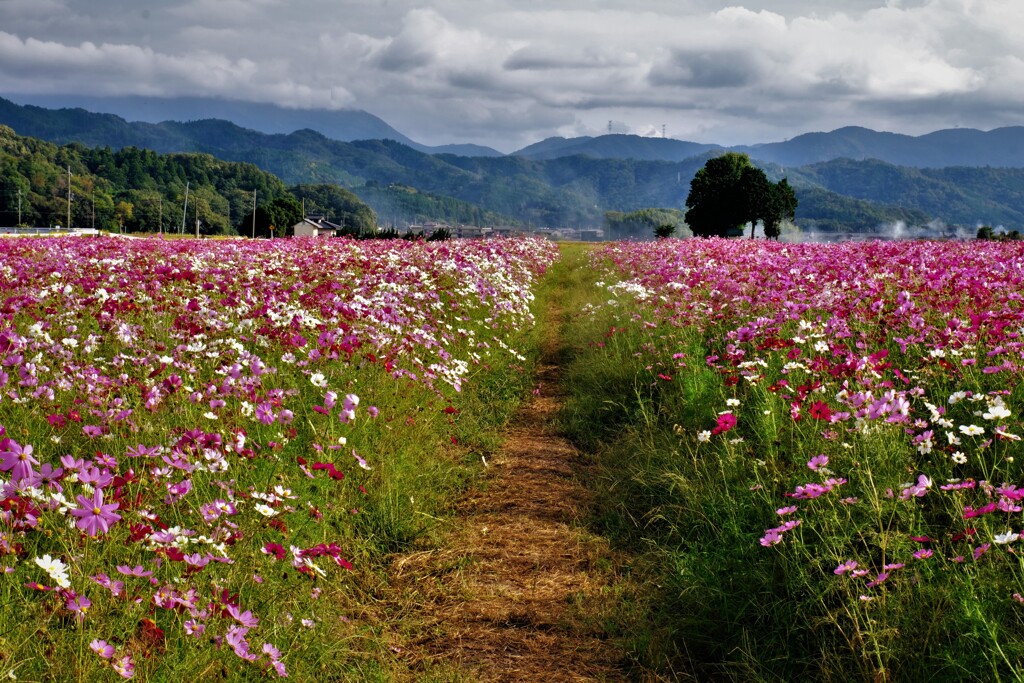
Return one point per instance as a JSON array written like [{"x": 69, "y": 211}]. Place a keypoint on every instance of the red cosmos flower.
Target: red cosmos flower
[
  {"x": 275, "y": 549},
  {"x": 819, "y": 410},
  {"x": 726, "y": 421}
]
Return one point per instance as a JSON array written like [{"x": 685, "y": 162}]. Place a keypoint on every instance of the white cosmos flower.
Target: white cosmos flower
[
  {"x": 318, "y": 379},
  {"x": 1008, "y": 537},
  {"x": 265, "y": 510},
  {"x": 971, "y": 430},
  {"x": 57, "y": 570},
  {"x": 997, "y": 412}
]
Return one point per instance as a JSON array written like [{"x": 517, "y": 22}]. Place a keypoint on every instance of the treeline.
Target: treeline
[
  {"x": 641, "y": 225},
  {"x": 830, "y": 212},
  {"x": 136, "y": 190},
  {"x": 957, "y": 195},
  {"x": 401, "y": 205}
]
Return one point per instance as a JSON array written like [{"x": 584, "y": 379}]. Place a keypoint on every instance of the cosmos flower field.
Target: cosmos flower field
[
  {"x": 200, "y": 442},
  {"x": 824, "y": 442}
]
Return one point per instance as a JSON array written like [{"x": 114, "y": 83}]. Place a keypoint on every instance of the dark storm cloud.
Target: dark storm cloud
[{"x": 707, "y": 69}]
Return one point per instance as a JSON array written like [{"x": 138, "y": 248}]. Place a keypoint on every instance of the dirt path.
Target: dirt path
[{"x": 511, "y": 596}]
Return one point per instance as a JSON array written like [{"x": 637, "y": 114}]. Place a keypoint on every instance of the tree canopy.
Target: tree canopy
[{"x": 730, "y": 192}]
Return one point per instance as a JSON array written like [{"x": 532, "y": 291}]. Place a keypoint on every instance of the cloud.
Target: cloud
[
  {"x": 502, "y": 72},
  {"x": 707, "y": 69},
  {"x": 111, "y": 69}
]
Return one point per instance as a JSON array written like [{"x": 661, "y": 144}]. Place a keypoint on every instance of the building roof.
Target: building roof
[{"x": 319, "y": 222}]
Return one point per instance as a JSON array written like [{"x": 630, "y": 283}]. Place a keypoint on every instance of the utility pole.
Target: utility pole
[
  {"x": 197, "y": 220},
  {"x": 94, "y": 212},
  {"x": 254, "y": 214},
  {"x": 160, "y": 228},
  {"x": 184, "y": 211},
  {"x": 19, "y": 206},
  {"x": 68, "y": 226}
]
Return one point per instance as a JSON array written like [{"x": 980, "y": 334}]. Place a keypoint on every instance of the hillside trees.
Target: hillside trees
[{"x": 138, "y": 190}]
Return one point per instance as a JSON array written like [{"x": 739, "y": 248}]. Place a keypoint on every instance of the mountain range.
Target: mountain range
[
  {"x": 343, "y": 124},
  {"x": 1002, "y": 147},
  {"x": 850, "y": 179}
]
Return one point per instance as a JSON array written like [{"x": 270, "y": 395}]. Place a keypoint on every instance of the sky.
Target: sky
[{"x": 506, "y": 73}]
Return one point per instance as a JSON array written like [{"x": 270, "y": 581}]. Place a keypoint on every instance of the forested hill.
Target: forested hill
[
  {"x": 564, "y": 191},
  {"x": 141, "y": 190}
]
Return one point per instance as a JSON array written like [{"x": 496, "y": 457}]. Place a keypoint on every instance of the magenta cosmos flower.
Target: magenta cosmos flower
[{"x": 94, "y": 517}]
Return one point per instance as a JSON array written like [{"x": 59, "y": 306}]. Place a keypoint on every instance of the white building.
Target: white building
[{"x": 315, "y": 226}]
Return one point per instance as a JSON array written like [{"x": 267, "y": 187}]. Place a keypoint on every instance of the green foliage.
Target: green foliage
[
  {"x": 664, "y": 231},
  {"x": 641, "y": 224}
]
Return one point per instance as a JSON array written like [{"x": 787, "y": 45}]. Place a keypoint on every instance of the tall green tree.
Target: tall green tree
[
  {"x": 755, "y": 195},
  {"x": 729, "y": 192},
  {"x": 716, "y": 204},
  {"x": 781, "y": 206}
]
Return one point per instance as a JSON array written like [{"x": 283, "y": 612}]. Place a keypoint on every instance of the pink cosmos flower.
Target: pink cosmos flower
[
  {"x": 102, "y": 648},
  {"x": 124, "y": 666},
  {"x": 265, "y": 413},
  {"x": 235, "y": 638},
  {"x": 17, "y": 459},
  {"x": 94, "y": 517},
  {"x": 817, "y": 462},
  {"x": 77, "y": 605},
  {"x": 245, "y": 618},
  {"x": 194, "y": 628},
  {"x": 196, "y": 560},
  {"x": 137, "y": 570},
  {"x": 847, "y": 566}
]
